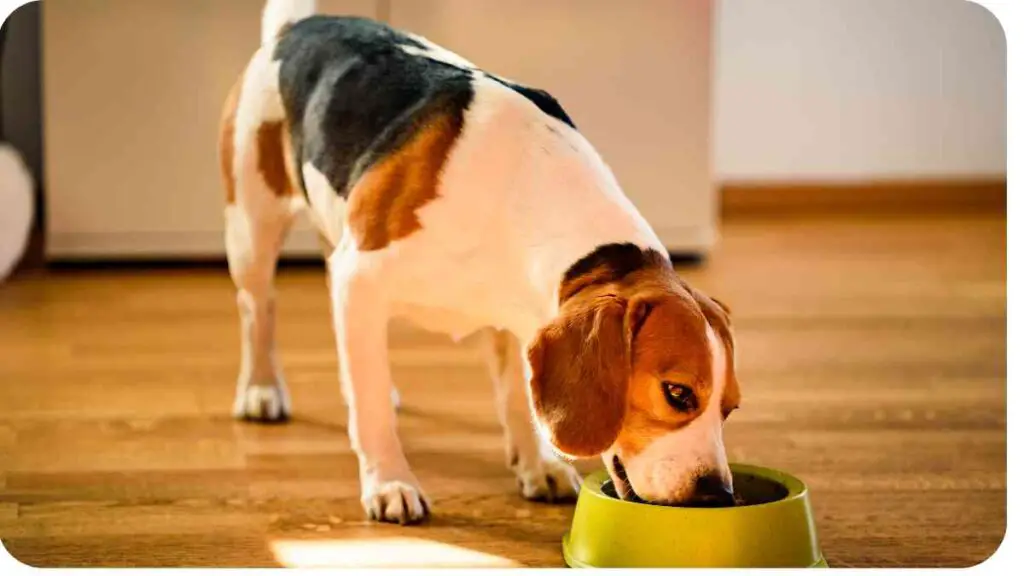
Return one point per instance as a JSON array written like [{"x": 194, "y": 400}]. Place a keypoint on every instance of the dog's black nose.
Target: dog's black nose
[{"x": 712, "y": 492}]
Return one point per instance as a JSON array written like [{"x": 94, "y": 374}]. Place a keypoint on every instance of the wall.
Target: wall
[
  {"x": 803, "y": 90},
  {"x": 20, "y": 88},
  {"x": 858, "y": 89},
  {"x": 133, "y": 168},
  {"x": 634, "y": 76}
]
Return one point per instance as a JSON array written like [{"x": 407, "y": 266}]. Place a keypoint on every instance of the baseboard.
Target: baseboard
[
  {"x": 688, "y": 245},
  {"x": 912, "y": 196},
  {"x": 89, "y": 248}
]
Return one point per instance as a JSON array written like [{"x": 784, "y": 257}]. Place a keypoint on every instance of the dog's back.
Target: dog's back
[
  {"x": 393, "y": 142},
  {"x": 466, "y": 203},
  {"x": 330, "y": 100},
  {"x": 356, "y": 91}
]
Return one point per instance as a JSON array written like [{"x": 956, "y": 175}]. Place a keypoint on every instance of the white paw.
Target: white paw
[
  {"x": 395, "y": 501},
  {"x": 396, "y": 399},
  {"x": 549, "y": 481},
  {"x": 262, "y": 403}
]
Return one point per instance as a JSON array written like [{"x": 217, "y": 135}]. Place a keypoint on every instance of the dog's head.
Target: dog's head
[{"x": 638, "y": 368}]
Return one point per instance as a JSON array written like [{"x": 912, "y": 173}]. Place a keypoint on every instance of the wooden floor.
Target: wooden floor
[{"x": 873, "y": 365}]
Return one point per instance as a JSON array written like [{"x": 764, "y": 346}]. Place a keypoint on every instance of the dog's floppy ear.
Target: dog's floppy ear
[
  {"x": 725, "y": 308},
  {"x": 580, "y": 373}
]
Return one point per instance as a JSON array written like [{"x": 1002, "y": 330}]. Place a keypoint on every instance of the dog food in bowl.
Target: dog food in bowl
[{"x": 750, "y": 489}]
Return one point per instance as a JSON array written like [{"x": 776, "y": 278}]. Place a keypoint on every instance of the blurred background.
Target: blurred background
[
  {"x": 834, "y": 170},
  {"x": 698, "y": 106}
]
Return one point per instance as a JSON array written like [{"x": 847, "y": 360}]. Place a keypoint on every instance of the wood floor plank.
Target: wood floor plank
[{"x": 872, "y": 356}]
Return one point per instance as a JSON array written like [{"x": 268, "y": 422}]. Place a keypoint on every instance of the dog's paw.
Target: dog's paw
[
  {"x": 549, "y": 481},
  {"x": 396, "y": 502},
  {"x": 262, "y": 403}
]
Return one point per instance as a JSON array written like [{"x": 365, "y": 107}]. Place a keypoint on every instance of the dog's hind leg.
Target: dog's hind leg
[
  {"x": 540, "y": 473},
  {"x": 260, "y": 209}
]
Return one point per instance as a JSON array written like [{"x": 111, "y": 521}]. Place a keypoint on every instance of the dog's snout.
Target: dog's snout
[{"x": 712, "y": 491}]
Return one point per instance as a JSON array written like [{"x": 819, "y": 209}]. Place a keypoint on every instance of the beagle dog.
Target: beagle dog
[{"x": 470, "y": 205}]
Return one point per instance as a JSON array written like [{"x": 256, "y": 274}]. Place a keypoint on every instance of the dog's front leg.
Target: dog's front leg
[
  {"x": 541, "y": 474},
  {"x": 390, "y": 491}
]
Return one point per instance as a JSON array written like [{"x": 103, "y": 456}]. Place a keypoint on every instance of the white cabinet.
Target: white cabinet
[{"x": 134, "y": 88}]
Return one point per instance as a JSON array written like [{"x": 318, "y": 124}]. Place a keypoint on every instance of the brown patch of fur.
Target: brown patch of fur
[
  {"x": 385, "y": 199},
  {"x": 580, "y": 374},
  {"x": 273, "y": 145},
  {"x": 227, "y": 140},
  {"x": 503, "y": 346},
  {"x": 671, "y": 346},
  {"x": 598, "y": 368},
  {"x": 599, "y": 275},
  {"x": 290, "y": 165},
  {"x": 611, "y": 264}
]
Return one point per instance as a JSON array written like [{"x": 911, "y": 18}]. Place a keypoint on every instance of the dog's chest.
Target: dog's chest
[{"x": 459, "y": 296}]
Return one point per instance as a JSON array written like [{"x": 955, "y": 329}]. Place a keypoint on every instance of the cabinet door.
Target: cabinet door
[
  {"x": 634, "y": 76},
  {"x": 133, "y": 95}
]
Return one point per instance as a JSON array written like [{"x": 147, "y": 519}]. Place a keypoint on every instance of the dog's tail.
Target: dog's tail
[{"x": 279, "y": 13}]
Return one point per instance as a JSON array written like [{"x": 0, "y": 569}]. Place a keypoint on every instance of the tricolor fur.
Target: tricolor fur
[{"x": 471, "y": 205}]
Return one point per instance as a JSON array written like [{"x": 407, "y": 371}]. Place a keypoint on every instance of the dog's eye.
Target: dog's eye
[{"x": 679, "y": 396}]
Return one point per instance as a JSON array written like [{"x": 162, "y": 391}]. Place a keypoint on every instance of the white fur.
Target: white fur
[
  {"x": 255, "y": 227},
  {"x": 259, "y": 100},
  {"x": 435, "y": 52},
  {"x": 277, "y": 13},
  {"x": 327, "y": 207},
  {"x": 521, "y": 197},
  {"x": 360, "y": 310},
  {"x": 667, "y": 469}
]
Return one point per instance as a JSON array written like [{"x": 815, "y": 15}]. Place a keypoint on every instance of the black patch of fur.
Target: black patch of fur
[
  {"x": 352, "y": 95},
  {"x": 541, "y": 99},
  {"x": 619, "y": 259}
]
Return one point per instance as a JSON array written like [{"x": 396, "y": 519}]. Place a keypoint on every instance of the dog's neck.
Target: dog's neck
[
  {"x": 556, "y": 202},
  {"x": 593, "y": 234},
  {"x": 591, "y": 229}
]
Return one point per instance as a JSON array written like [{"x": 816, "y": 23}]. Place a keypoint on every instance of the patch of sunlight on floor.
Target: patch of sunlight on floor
[{"x": 381, "y": 553}]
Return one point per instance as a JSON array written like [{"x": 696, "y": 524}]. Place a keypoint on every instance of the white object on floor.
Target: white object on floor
[{"x": 16, "y": 209}]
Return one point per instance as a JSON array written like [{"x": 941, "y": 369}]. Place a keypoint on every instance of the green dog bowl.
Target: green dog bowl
[{"x": 773, "y": 527}]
